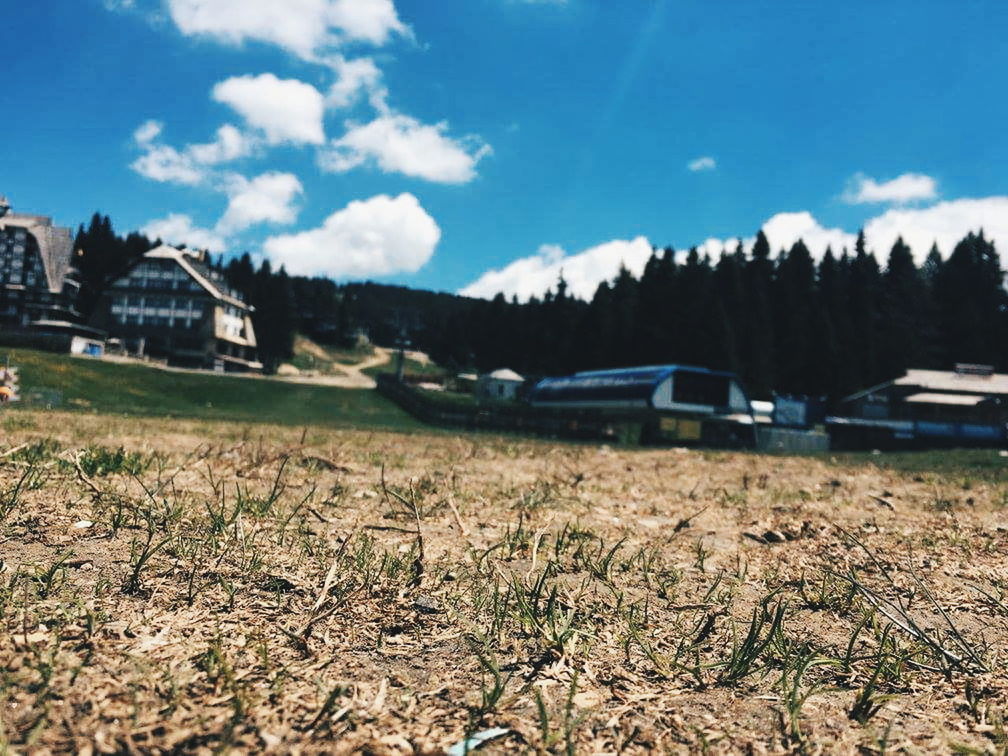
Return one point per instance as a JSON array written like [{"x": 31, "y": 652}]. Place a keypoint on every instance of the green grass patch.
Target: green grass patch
[
  {"x": 412, "y": 367},
  {"x": 99, "y": 460},
  {"x": 961, "y": 464},
  {"x": 84, "y": 384}
]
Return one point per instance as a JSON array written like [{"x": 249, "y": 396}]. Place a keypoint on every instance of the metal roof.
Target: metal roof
[
  {"x": 960, "y": 400},
  {"x": 940, "y": 380},
  {"x": 623, "y": 384},
  {"x": 944, "y": 381}
]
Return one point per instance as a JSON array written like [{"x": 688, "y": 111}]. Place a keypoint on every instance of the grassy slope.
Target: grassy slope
[
  {"x": 412, "y": 367},
  {"x": 87, "y": 384}
]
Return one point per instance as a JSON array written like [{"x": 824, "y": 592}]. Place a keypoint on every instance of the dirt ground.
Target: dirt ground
[{"x": 209, "y": 588}]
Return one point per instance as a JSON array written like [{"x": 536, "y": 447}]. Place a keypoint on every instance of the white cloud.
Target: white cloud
[
  {"x": 354, "y": 77},
  {"x": 286, "y": 110},
  {"x": 705, "y": 163},
  {"x": 909, "y": 187},
  {"x": 177, "y": 228},
  {"x": 161, "y": 162},
  {"x": 583, "y": 271},
  {"x": 378, "y": 236},
  {"x": 784, "y": 229},
  {"x": 401, "y": 144},
  {"x": 147, "y": 132},
  {"x": 302, "y": 27},
  {"x": 945, "y": 223},
  {"x": 166, "y": 164},
  {"x": 229, "y": 145},
  {"x": 371, "y": 21},
  {"x": 268, "y": 198}
]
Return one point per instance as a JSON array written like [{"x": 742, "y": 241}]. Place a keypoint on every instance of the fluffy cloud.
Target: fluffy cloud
[
  {"x": 378, "y": 236},
  {"x": 371, "y": 21},
  {"x": 705, "y": 163},
  {"x": 400, "y": 144},
  {"x": 268, "y": 198},
  {"x": 784, "y": 229},
  {"x": 166, "y": 164},
  {"x": 147, "y": 132},
  {"x": 583, "y": 271},
  {"x": 229, "y": 145},
  {"x": 910, "y": 187},
  {"x": 302, "y": 27},
  {"x": 163, "y": 163},
  {"x": 944, "y": 223},
  {"x": 354, "y": 77},
  {"x": 179, "y": 229},
  {"x": 286, "y": 110}
]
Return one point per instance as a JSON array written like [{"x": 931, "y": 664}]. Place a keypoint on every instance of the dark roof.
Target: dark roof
[{"x": 617, "y": 384}]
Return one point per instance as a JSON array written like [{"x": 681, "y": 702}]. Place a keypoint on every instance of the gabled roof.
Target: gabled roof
[
  {"x": 946, "y": 381},
  {"x": 199, "y": 272}
]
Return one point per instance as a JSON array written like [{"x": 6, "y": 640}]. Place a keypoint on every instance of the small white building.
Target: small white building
[{"x": 501, "y": 385}]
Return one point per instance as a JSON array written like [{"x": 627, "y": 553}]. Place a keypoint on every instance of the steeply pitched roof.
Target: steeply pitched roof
[
  {"x": 199, "y": 271},
  {"x": 54, "y": 242}
]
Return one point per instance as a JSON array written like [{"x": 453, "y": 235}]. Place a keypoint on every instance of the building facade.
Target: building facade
[
  {"x": 37, "y": 281},
  {"x": 964, "y": 406},
  {"x": 501, "y": 385},
  {"x": 174, "y": 306}
]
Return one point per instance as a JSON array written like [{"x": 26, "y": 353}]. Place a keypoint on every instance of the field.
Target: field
[{"x": 200, "y": 586}]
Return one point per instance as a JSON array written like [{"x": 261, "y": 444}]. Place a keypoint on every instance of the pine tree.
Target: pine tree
[
  {"x": 652, "y": 342},
  {"x": 865, "y": 288},
  {"x": 758, "y": 332},
  {"x": 971, "y": 302},
  {"x": 101, "y": 258},
  {"x": 905, "y": 324},
  {"x": 794, "y": 315}
]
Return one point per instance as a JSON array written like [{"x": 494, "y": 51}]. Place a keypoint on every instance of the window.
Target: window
[{"x": 689, "y": 387}]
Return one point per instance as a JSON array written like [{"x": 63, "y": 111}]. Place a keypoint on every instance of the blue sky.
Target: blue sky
[{"x": 479, "y": 145}]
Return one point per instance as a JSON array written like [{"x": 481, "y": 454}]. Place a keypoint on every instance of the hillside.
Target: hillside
[{"x": 85, "y": 384}]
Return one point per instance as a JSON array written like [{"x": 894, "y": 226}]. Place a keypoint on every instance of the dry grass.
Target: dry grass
[{"x": 216, "y": 588}]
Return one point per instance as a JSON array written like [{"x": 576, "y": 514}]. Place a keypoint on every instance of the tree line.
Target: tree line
[{"x": 784, "y": 322}]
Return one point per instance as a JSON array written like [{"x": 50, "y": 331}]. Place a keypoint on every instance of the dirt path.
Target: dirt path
[{"x": 352, "y": 375}]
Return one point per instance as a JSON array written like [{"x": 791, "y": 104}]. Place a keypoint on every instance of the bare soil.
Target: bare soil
[{"x": 242, "y": 588}]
